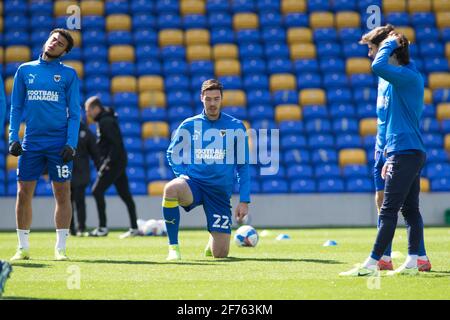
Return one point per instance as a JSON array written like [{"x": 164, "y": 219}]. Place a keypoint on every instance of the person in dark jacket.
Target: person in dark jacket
[
  {"x": 86, "y": 148},
  {"x": 113, "y": 157}
]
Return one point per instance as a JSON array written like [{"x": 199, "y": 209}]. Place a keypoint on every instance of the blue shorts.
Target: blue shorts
[
  {"x": 217, "y": 206},
  {"x": 378, "y": 166},
  {"x": 33, "y": 163}
]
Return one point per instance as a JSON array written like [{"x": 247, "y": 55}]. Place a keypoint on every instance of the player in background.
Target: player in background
[
  {"x": 47, "y": 93},
  {"x": 2, "y": 105},
  {"x": 5, "y": 270},
  {"x": 402, "y": 100},
  {"x": 209, "y": 183},
  {"x": 113, "y": 158}
]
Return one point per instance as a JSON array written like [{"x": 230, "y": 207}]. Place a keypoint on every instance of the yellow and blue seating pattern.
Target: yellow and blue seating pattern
[{"x": 293, "y": 65}]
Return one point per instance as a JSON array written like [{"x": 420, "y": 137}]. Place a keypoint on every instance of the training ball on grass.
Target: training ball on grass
[
  {"x": 151, "y": 228},
  {"x": 246, "y": 236}
]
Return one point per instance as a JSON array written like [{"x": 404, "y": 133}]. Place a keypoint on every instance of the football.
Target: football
[{"x": 246, "y": 236}]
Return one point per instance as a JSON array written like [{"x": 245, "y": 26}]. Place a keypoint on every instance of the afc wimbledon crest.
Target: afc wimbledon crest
[
  {"x": 222, "y": 133},
  {"x": 57, "y": 77}
]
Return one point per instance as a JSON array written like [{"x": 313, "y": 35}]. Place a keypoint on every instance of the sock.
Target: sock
[
  {"x": 23, "y": 236},
  {"x": 425, "y": 258},
  {"x": 411, "y": 261},
  {"x": 422, "y": 251},
  {"x": 171, "y": 214},
  {"x": 370, "y": 263},
  {"x": 61, "y": 236},
  {"x": 386, "y": 258}
]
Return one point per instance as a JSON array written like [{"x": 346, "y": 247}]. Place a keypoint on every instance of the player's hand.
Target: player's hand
[
  {"x": 15, "y": 149},
  {"x": 241, "y": 212},
  {"x": 383, "y": 171},
  {"x": 67, "y": 153}
]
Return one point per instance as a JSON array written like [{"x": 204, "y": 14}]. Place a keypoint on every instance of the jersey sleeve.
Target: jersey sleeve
[
  {"x": 17, "y": 105},
  {"x": 73, "y": 104},
  {"x": 243, "y": 167}
]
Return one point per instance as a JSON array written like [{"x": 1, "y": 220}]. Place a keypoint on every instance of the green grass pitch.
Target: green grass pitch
[{"x": 299, "y": 268}]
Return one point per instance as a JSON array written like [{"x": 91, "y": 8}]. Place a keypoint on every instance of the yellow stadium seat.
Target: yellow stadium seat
[
  {"x": 282, "y": 81},
  {"x": 150, "y": 83},
  {"x": 227, "y": 67},
  {"x": 77, "y": 65},
  {"x": 303, "y": 51},
  {"x": 11, "y": 162},
  {"x": 197, "y": 36},
  {"x": 225, "y": 51},
  {"x": 2, "y": 55},
  {"x": 427, "y": 96},
  {"x": 245, "y": 21},
  {"x": 17, "y": 54},
  {"x": 235, "y": 98},
  {"x": 312, "y": 96},
  {"x": 299, "y": 35},
  {"x": 447, "y": 142},
  {"x": 192, "y": 7},
  {"x": 1, "y": 8},
  {"x": 408, "y": 32},
  {"x": 9, "y": 84},
  {"x": 443, "y": 111},
  {"x": 152, "y": 99},
  {"x": 198, "y": 52},
  {"x": 60, "y": 7},
  {"x": 1, "y": 23},
  {"x": 424, "y": 185},
  {"x": 123, "y": 84},
  {"x": 92, "y": 8},
  {"x": 76, "y": 35},
  {"x": 117, "y": 22},
  {"x": 368, "y": 127},
  {"x": 441, "y": 5},
  {"x": 394, "y": 6},
  {"x": 358, "y": 65},
  {"x": 156, "y": 188},
  {"x": 121, "y": 53},
  {"x": 348, "y": 19},
  {"x": 447, "y": 50},
  {"x": 285, "y": 112},
  {"x": 321, "y": 20},
  {"x": 443, "y": 19},
  {"x": 293, "y": 6},
  {"x": 438, "y": 80},
  {"x": 419, "y": 6},
  {"x": 170, "y": 37},
  {"x": 152, "y": 129},
  {"x": 352, "y": 156}
]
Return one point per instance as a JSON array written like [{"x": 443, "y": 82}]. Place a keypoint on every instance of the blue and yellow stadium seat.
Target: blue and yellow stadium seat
[
  {"x": 154, "y": 129},
  {"x": 288, "y": 113},
  {"x": 152, "y": 98},
  {"x": 227, "y": 67},
  {"x": 197, "y": 37},
  {"x": 198, "y": 52},
  {"x": 245, "y": 21},
  {"x": 119, "y": 53}
]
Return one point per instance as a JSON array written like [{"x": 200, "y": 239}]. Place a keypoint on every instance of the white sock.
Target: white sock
[
  {"x": 411, "y": 261},
  {"x": 61, "y": 236},
  {"x": 370, "y": 263},
  {"x": 425, "y": 258},
  {"x": 24, "y": 237},
  {"x": 386, "y": 258}
]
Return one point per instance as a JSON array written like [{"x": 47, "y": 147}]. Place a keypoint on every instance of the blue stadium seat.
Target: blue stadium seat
[
  {"x": 16, "y": 37},
  {"x": 398, "y": 18},
  {"x": 169, "y": 21},
  {"x": 138, "y": 187},
  {"x": 431, "y": 49},
  {"x": 430, "y": 125},
  {"x": 176, "y": 82},
  {"x": 156, "y": 158},
  {"x": 135, "y": 159},
  {"x": 242, "y": 6},
  {"x": 324, "y": 155},
  {"x": 141, "y": 6},
  {"x": 11, "y": 68},
  {"x": 445, "y": 126},
  {"x": 255, "y": 97},
  {"x": 321, "y": 141},
  {"x": 269, "y": 18},
  {"x": 135, "y": 173},
  {"x": 291, "y": 127},
  {"x": 314, "y": 112},
  {"x": 195, "y": 21},
  {"x": 342, "y": 110},
  {"x": 331, "y": 185},
  {"x": 306, "y": 65},
  {"x": 275, "y": 186},
  {"x": 264, "y": 124},
  {"x": 424, "y": 34},
  {"x": 300, "y": 156},
  {"x": 335, "y": 79},
  {"x": 296, "y": 20},
  {"x": 289, "y": 142},
  {"x": 327, "y": 171},
  {"x": 440, "y": 184},
  {"x": 217, "y": 6},
  {"x": 220, "y": 19},
  {"x": 201, "y": 67},
  {"x": 163, "y": 6},
  {"x": 441, "y": 95},
  {"x": 39, "y": 7},
  {"x": 413, "y": 50},
  {"x": 309, "y": 80},
  {"x": 177, "y": 113},
  {"x": 345, "y": 125},
  {"x": 104, "y": 96},
  {"x": 303, "y": 186},
  {"x": 38, "y": 37},
  {"x": 317, "y": 126},
  {"x": 344, "y": 141},
  {"x": 15, "y": 22},
  {"x": 222, "y": 35},
  {"x": 74, "y": 54},
  {"x": 251, "y": 50},
  {"x": 268, "y": 5},
  {"x": 271, "y": 173},
  {"x": 175, "y": 67},
  {"x": 363, "y": 4},
  {"x": 156, "y": 144},
  {"x": 423, "y": 19},
  {"x": 366, "y": 110},
  {"x": 438, "y": 170},
  {"x": 143, "y": 20},
  {"x": 339, "y": 95},
  {"x": 153, "y": 114},
  {"x": 328, "y": 49},
  {"x": 147, "y": 51},
  {"x": 432, "y": 140},
  {"x": 353, "y": 49},
  {"x": 130, "y": 129},
  {"x": 161, "y": 173},
  {"x": 368, "y": 94},
  {"x": 42, "y": 21},
  {"x": 445, "y": 34},
  {"x": 344, "y": 5},
  {"x": 332, "y": 65},
  {"x": 92, "y": 53},
  {"x": 355, "y": 171},
  {"x": 318, "y": 5},
  {"x": 362, "y": 80},
  {"x": 92, "y": 22},
  {"x": 148, "y": 67},
  {"x": 237, "y": 112},
  {"x": 132, "y": 144},
  {"x": 175, "y": 125},
  {"x": 279, "y": 65},
  {"x": 231, "y": 82},
  {"x": 179, "y": 97},
  {"x": 285, "y": 97},
  {"x": 261, "y": 111},
  {"x": 436, "y": 65},
  {"x": 437, "y": 155},
  {"x": 119, "y": 37},
  {"x": 323, "y": 35},
  {"x": 125, "y": 99},
  {"x": 116, "y": 7},
  {"x": 43, "y": 189},
  {"x": 250, "y": 66},
  {"x": 299, "y": 171},
  {"x": 276, "y": 50},
  {"x": 359, "y": 185},
  {"x": 256, "y": 81},
  {"x": 368, "y": 142},
  {"x": 94, "y": 37},
  {"x": 197, "y": 80},
  {"x": 247, "y": 35},
  {"x": 350, "y": 34},
  {"x": 273, "y": 35},
  {"x": 145, "y": 36},
  {"x": 174, "y": 52},
  {"x": 128, "y": 114}
]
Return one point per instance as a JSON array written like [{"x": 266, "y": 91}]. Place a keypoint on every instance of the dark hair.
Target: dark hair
[
  {"x": 377, "y": 35},
  {"x": 93, "y": 101},
  {"x": 66, "y": 34},
  {"x": 212, "y": 84}
]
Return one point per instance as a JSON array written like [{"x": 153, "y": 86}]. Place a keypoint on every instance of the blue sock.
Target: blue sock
[
  {"x": 388, "y": 250},
  {"x": 171, "y": 213},
  {"x": 422, "y": 251}
]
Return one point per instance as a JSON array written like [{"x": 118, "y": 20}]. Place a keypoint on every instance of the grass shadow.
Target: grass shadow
[
  {"x": 437, "y": 274},
  {"x": 25, "y": 298},
  {"x": 29, "y": 265},
  {"x": 140, "y": 262},
  {"x": 235, "y": 259}
]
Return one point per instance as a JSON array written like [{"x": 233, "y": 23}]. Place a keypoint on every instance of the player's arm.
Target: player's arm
[
  {"x": 2, "y": 104},
  {"x": 243, "y": 175},
  {"x": 73, "y": 103},
  {"x": 397, "y": 75},
  {"x": 111, "y": 133},
  {"x": 17, "y": 106},
  {"x": 175, "y": 160}
]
